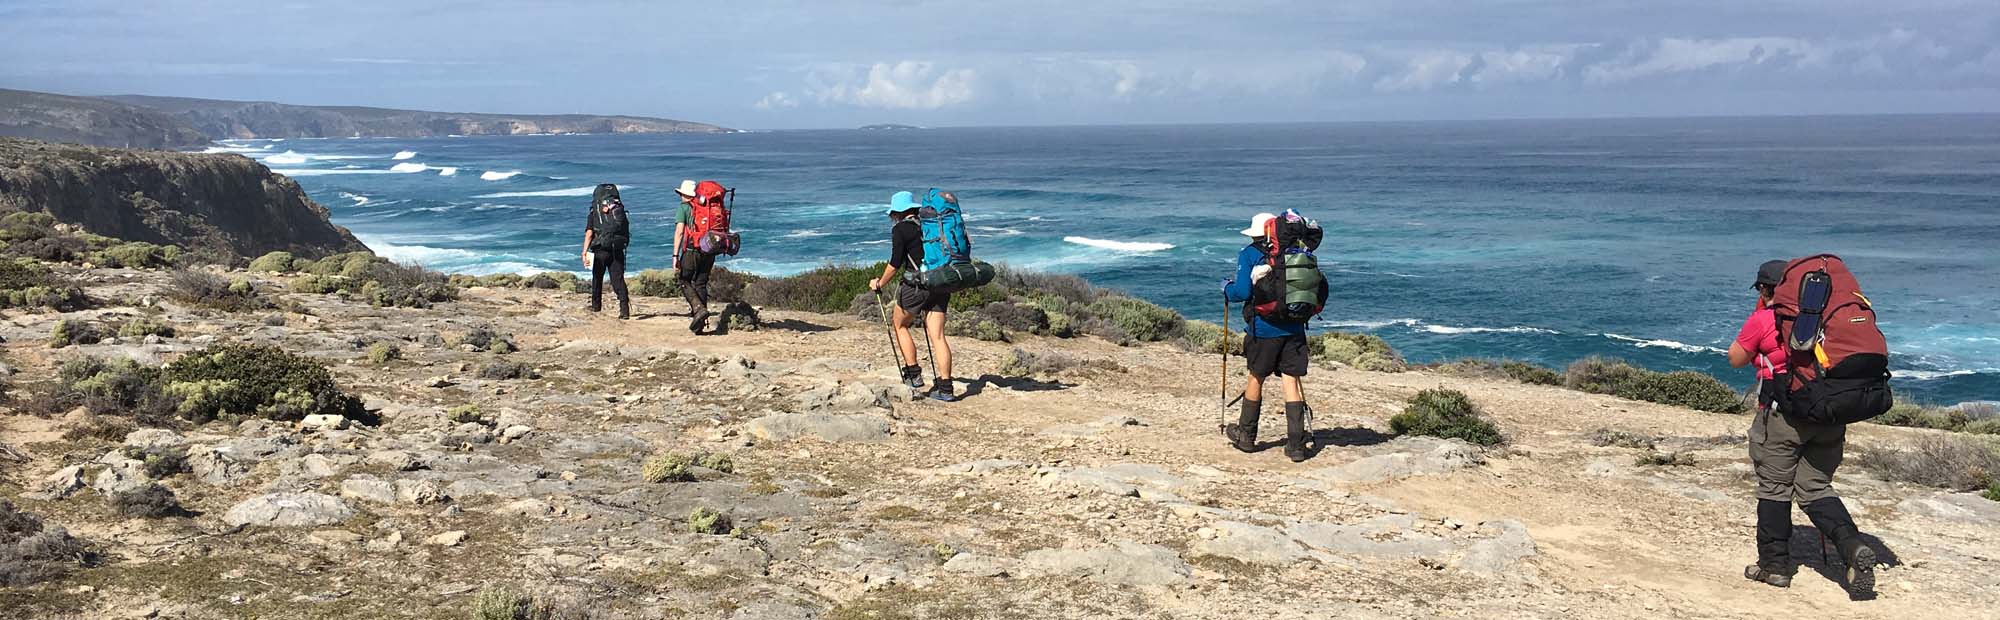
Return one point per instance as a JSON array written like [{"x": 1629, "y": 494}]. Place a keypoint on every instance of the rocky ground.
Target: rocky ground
[{"x": 1102, "y": 490}]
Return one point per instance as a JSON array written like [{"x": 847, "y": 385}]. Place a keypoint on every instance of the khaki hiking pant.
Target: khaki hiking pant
[{"x": 1794, "y": 459}]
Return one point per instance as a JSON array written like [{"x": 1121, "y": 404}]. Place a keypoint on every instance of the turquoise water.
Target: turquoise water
[{"x": 1539, "y": 240}]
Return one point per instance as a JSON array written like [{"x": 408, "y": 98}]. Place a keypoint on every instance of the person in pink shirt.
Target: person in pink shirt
[{"x": 1794, "y": 459}]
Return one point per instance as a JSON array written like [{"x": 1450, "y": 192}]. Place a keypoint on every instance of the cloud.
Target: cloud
[
  {"x": 905, "y": 85},
  {"x": 776, "y": 100}
]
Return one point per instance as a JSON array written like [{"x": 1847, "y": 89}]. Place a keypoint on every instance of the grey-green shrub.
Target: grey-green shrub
[
  {"x": 383, "y": 353},
  {"x": 667, "y": 467},
  {"x": 1138, "y": 319},
  {"x": 1955, "y": 462},
  {"x": 1445, "y": 413},
  {"x": 143, "y": 327},
  {"x": 1362, "y": 351},
  {"x": 705, "y": 520},
  {"x": 274, "y": 262},
  {"x": 73, "y": 332},
  {"x": 1685, "y": 388}
]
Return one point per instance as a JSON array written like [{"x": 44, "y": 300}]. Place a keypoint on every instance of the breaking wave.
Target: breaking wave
[
  {"x": 1123, "y": 246},
  {"x": 402, "y": 155},
  {"x": 492, "y": 175},
  {"x": 574, "y": 191}
]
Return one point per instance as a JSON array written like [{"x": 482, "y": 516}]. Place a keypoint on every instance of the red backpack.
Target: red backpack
[
  {"x": 710, "y": 232},
  {"x": 1839, "y": 360}
]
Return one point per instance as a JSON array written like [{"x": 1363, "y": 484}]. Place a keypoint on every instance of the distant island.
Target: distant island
[
  {"x": 888, "y": 127},
  {"x": 177, "y": 122}
]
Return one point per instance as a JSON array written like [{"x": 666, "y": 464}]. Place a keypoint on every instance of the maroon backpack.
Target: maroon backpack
[{"x": 1839, "y": 361}]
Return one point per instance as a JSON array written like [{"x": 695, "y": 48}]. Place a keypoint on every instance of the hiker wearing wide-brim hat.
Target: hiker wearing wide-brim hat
[
  {"x": 1794, "y": 459},
  {"x": 691, "y": 265},
  {"x": 1275, "y": 331},
  {"x": 906, "y": 251}
]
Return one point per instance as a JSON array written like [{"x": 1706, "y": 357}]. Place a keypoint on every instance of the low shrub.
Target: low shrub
[
  {"x": 1013, "y": 316},
  {"x": 1445, "y": 413},
  {"x": 667, "y": 467},
  {"x": 137, "y": 255},
  {"x": 315, "y": 284},
  {"x": 826, "y": 290},
  {"x": 1988, "y": 426},
  {"x": 25, "y": 283},
  {"x": 1992, "y": 492},
  {"x": 1522, "y": 372},
  {"x": 1140, "y": 320},
  {"x": 97, "y": 427},
  {"x": 1955, "y": 462},
  {"x": 1606, "y": 437},
  {"x": 1206, "y": 337},
  {"x": 148, "y": 502},
  {"x": 33, "y": 551},
  {"x": 485, "y": 339},
  {"x": 257, "y": 379},
  {"x": 208, "y": 290},
  {"x": 74, "y": 331},
  {"x": 389, "y": 285},
  {"x": 655, "y": 283},
  {"x": 161, "y": 461},
  {"x": 977, "y": 328},
  {"x": 717, "y": 461},
  {"x": 142, "y": 327},
  {"x": 465, "y": 414},
  {"x": 705, "y": 520},
  {"x": 501, "y": 370},
  {"x": 499, "y": 603},
  {"x": 107, "y": 386},
  {"x": 1918, "y": 416},
  {"x": 1666, "y": 459},
  {"x": 1043, "y": 365},
  {"x": 553, "y": 281},
  {"x": 1362, "y": 351},
  {"x": 1683, "y": 388},
  {"x": 1600, "y": 375},
  {"x": 383, "y": 353},
  {"x": 275, "y": 262}
]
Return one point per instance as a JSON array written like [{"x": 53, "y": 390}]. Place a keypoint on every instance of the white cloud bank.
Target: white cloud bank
[{"x": 905, "y": 85}]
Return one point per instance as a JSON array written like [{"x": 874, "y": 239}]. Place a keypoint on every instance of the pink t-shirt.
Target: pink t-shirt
[{"x": 1760, "y": 337}]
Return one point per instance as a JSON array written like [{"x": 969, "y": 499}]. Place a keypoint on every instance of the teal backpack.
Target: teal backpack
[{"x": 948, "y": 264}]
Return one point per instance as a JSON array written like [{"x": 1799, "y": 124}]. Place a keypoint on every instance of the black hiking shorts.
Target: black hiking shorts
[
  {"x": 916, "y": 300},
  {"x": 1286, "y": 356}
]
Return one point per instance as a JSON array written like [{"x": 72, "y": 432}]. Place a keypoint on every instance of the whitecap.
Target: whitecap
[
  {"x": 287, "y": 157},
  {"x": 875, "y": 242},
  {"x": 492, "y": 175},
  {"x": 1930, "y": 375},
  {"x": 314, "y": 172},
  {"x": 447, "y": 171},
  {"x": 1519, "y": 329},
  {"x": 997, "y": 231},
  {"x": 416, "y": 254},
  {"x": 402, "y": 155},
  {"x": 574, "y": 191},
  {"x": 358, "y": 199},
  {"x": 1125, "y": 246},
  {"x": 1372, "y": 325},
  {"x": 408, "y": 167},
  {"x": 1644, "y": 343}
]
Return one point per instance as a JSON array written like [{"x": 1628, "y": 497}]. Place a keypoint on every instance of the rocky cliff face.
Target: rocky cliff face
[
  {"x": 220, "y": 203},
  {"x": 84, "y": 120},
  {"x": 243, "y": 120}
]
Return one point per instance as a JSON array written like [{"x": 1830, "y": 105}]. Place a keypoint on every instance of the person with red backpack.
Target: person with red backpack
[
  {"x": 1805, "y": 399},
  {"x": 700, "y": 233},
  {"x": 1281, "y": 288}
]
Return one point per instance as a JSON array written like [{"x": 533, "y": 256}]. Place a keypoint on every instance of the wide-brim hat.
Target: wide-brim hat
[
  {"x": 686, "y": 188},
  {"x": 903, "y": 201},
  {"x": 1257, "y": 223}
]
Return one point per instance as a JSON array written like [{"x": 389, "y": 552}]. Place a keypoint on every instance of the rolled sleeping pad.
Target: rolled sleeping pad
[{"x": 958, "y": 276}]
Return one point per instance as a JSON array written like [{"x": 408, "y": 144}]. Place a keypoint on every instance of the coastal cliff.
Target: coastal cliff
[
  {"x": 96, "y": 122},
  {"x": 226, "y": 204},
  {"x": 258, "y": 119}
]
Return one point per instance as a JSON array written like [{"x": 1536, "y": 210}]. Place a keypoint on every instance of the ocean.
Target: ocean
[{"x": 1544, "y": 241}]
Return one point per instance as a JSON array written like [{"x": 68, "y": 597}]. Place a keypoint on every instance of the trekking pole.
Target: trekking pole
[
  {"x": 889, "y": 324},
  {"x": 1225, "y": 364}
]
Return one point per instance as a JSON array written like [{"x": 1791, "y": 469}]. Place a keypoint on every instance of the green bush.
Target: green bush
[
  {"x": 718, "y": 462},
  {"x": 1992, "y": 492},
  {"x": 501, "y": 370},
  {"x": 667, "y": 467},
  {"x": 1988, "y": 426},
  {"x": 553, "y": 280},
  {"x": 143, "y": 327},
  {"x": 137, "y": 255},
  {"x": 25, "y": 283},
  {"x": 1502, "y": 369},
  {"x": 1599, "y": 375},
  {"x": 74, "y": 331},
  {"x": 1206, "y": 337},
  {"x": 1530, "y": 374},
  {"x": 259, "y": 379},
  {"x": 160, "y": 461},
  {"x": 705, "y": 520},
  {"x": 1683, "y": 388},
  {"x": 1445, "y": 413},
  {"x": 982, "y": 329},
  {"x": 465, "y": 414},
  {"x": 389, "y": 285},
  {"x": 383, "y": 353},
  {"x": 1919, "y": 416},
  {"x": 1140, "y": 320},
  {"x": 826, "y": 290},
  {"x": 499, "y": 603},
  {"x": 207, "y": 290},
  {"x": 1362, "y": 351},
  {"x": 1955, "y": 462},
  {"x": 147, "y": 502},
  {"x": 275, "y": 262},
  {"x": 656, "y": 283},
  {"x": 106, "y": 386},
  {"x": 315, "y": 285}
]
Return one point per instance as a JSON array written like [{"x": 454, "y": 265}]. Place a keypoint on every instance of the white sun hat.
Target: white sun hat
[
  {"x": 1257, "y": 222},
  {"x": 686, "y": 188}
]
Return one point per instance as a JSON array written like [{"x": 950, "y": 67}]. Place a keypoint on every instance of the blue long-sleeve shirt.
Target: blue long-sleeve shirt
[{"x": 1238, "y": 291}]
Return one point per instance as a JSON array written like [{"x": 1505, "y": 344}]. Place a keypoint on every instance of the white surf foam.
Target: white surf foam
[
  {"x": 1522, "y": 329},
  {"x": 1368, "y": 325},
  {"x": 408, "y": 167},
  {"x": 314, "y": 172},
  {"x": 806, "y": 234},
  {"x": 574, "y": 191},
  {"x": 402, "y": 155},
  {"x": 492, "y": 175},
  {"x": 1645, "y": 343},
  {"x": 448, "y": 171},
  {"x": 357, "y": 198},
  {"x": 1123, "y": 246},
  {"x": 287, "y": 157}
]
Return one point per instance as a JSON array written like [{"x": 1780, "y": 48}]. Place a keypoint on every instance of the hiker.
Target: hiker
[
  {"x": 1794, "y": 458},
  {"x": 906, "y": 249},
  {"x": 606, "y": 234},
  {"x": 701, "y": 232},
  {"x": 1275, "y": 314}
]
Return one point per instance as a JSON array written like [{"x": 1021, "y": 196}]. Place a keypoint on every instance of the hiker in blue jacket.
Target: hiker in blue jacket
[{"x": 1271, "y": 346}]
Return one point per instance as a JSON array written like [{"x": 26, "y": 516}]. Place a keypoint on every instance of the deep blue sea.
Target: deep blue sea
[{"x": 1538, "y": 240}]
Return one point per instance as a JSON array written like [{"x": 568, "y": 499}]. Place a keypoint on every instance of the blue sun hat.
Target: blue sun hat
[{"x": 902, "y": 201}]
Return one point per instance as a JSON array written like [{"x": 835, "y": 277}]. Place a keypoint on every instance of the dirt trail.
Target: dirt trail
[{"x": 1103, "y": 490}]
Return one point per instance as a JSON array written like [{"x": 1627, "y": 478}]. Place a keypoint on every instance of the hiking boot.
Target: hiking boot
[
  {"x": 1754, "y": 572},
  {"x": 624, "y": 310},
  {"x": 913, "y": 376},
  {"x": 1831, "y": 517},
  {"x": 595, "y": 306},
  {"x": 942, "y": 390},
  {"x": 1860, "y": 569},
  {"x": 699, "y": 323},
  {"x": 1243, "y": 438},
  {"x": 1295, "y": 431}
]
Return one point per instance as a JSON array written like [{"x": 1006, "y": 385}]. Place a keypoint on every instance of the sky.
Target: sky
[{"x": 777, "y": 64}]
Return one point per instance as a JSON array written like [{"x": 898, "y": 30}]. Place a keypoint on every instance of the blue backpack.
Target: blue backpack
[
  {"x": 945, "y": 242},
  {"x": 948, "y": 264}
]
